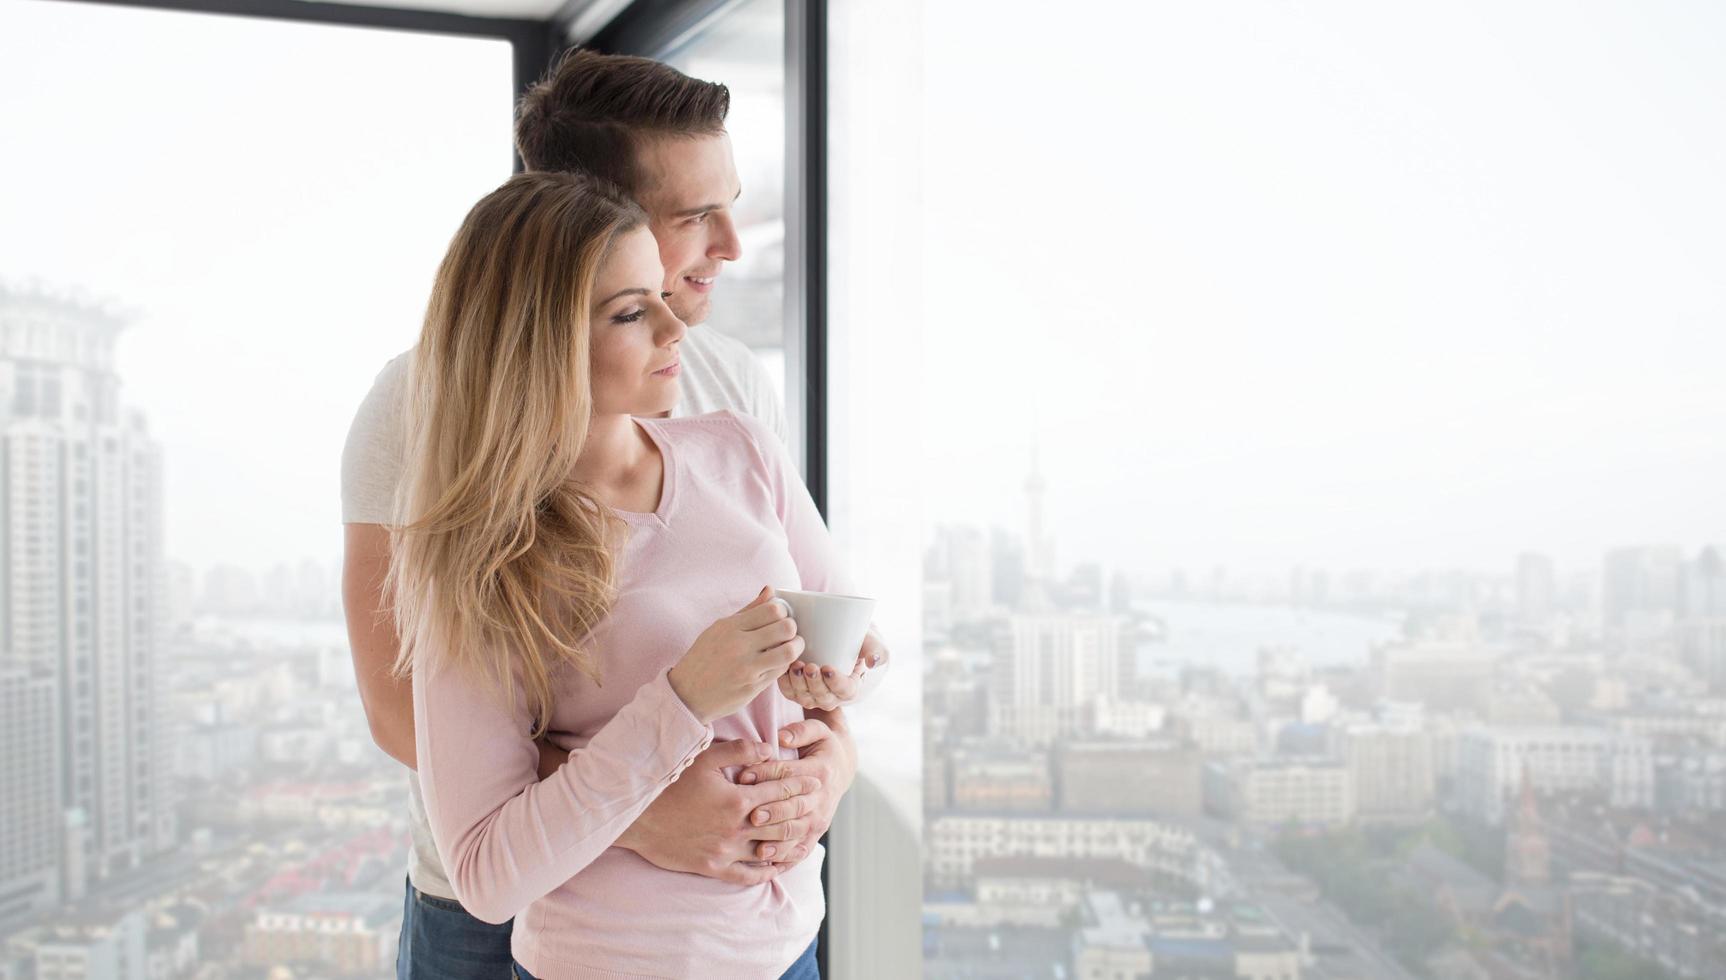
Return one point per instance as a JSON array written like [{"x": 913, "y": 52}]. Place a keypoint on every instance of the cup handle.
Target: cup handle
[{"x": 789, "y": 613}]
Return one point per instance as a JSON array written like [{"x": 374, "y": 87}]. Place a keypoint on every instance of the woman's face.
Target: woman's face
[{"x": 634, "y": 353}]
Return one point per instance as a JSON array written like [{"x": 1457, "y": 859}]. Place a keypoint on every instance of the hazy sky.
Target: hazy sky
[
  {"x": 1329, "y": 283},
  {"x": 1269, "y": 283},
  {"x": 272, "y": 201}
]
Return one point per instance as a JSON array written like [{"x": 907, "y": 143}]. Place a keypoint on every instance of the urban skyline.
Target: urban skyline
[{"x": 1432, "y": 807}]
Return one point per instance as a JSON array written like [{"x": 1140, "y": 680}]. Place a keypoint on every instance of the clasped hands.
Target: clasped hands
[{"x": 755, "y": 828}]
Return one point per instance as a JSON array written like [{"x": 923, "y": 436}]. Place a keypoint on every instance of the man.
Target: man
[{"x": 660, "y": 136}]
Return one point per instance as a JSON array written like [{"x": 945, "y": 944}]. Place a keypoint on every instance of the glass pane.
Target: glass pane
[
  {"x": 745, "y": 50},
  {"x": 216, "y": 230},
  {"x": 1317, "y": 437}
]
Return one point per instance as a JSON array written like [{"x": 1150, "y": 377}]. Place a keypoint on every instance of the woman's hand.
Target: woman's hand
[
  {"x": 824, "y": 687},
  {"x": 736, "y": 658}
]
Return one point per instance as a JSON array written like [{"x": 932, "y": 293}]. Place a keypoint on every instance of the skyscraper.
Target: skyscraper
[
  {"x": 1051, "y": 672},
  {"x": 82, "y": 583},
  {"x": 1536, "y": 590},
  {"x": 1640, "y": 591},
  {"x": 1702, "y": 612},
  {"x": 29, "y": 792}
]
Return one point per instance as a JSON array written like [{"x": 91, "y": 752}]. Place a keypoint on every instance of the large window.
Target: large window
[
  {"x": 216, "y": 230},
  {"x": 743, "y": 47},
  {"x": 1314, "y": 421}
]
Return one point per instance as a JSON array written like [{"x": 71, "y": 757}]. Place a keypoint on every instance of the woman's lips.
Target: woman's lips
[{"x": 669, "y": 371}]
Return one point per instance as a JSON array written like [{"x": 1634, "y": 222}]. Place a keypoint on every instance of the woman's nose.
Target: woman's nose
[{"x": 669, "y": 329}]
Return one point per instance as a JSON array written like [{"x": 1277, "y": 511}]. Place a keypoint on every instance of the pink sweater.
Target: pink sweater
[{"x": 734, "y": 516}]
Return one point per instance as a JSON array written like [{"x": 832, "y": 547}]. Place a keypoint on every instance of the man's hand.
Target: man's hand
[
  {"x": 826, "y": 753},
  {"x": 705, "y": 824},
  {"x": 824, "y": 687}
]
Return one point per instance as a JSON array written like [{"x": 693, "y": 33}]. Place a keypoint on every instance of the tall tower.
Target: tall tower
[
  {"x": 1039, "y": 549},
  {"x": 81, "y": 571}
]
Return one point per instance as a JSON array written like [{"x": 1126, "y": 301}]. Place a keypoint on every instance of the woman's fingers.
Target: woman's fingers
[
  {"x": 772, "y": 633},
  {"x": 818, "y": 680},
  {"x": 799, "y": 681}
]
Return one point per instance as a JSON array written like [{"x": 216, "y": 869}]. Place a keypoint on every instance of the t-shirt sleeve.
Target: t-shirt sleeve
[
  {"x": 759, "y": 392},
  {"x": 767, "y": 406},
  {"x": 818, "y": 566},
  {"x": 372, "y": 458}
]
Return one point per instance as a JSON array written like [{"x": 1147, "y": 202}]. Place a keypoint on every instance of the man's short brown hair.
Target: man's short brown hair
[{"x": 590, "y": 111}]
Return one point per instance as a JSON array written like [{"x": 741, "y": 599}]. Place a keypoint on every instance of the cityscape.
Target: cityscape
[
  {"x": 1446, "y": 775},
  {"x": 190, "y": 786},
  {"x": 1319, "y": 774}
]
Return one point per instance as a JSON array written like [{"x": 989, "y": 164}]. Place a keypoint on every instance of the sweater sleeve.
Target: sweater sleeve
[
  {"x": 505, "y": 837},
  {"x": 818, "y": 566}
]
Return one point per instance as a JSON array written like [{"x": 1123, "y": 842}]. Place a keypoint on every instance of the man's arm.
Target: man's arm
[
  {"x": 372, "y": 638},
  {"x": 388, "y": 700}
]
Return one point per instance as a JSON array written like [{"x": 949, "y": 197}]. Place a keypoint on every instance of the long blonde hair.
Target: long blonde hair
[{"x": 501, "y": 562}]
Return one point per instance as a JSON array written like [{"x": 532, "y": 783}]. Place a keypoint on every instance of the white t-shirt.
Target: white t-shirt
[{"x": 719, "y": 372}]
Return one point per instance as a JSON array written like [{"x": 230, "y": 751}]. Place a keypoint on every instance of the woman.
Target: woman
[{"x": 577, "y": 571}]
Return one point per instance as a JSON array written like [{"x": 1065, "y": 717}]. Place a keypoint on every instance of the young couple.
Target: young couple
[{"x": 565, "y": 509}]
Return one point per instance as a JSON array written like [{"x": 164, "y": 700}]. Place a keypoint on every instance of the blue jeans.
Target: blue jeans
[
  {"x": 803, "y": 969},
  {"x": 441, "y": 941}
]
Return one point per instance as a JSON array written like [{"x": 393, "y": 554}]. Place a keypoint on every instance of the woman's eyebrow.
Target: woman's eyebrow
[{"x": 637, "y": 291}]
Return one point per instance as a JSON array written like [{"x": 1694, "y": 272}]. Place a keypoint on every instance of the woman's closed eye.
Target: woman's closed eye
[{"x": 631, "y": 316}]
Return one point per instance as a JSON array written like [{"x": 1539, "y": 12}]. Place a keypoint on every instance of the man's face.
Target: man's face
[{"x": 688, "y": 186}]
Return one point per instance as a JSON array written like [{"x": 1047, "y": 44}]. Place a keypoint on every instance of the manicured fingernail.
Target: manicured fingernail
[
  {"x": 760, "y": 816},
  {"x": 747, "y": 779},
  {"x": 769, "y": 851},
  {"x": 827, "y": 671}
]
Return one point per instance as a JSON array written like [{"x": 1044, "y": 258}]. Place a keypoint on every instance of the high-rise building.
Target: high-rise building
[
  {"x": 82, "y": 585},
  {"x": 1536, "y": 591},
  {"x": 1050, "y": 674},
  {"x": 111, "y": 945},
  {"x": 1448, "y": 676},
  {"x": 1702, "y": 616},
  {"x": 29, "y": 792},
  {"x": 960, "y": 558},
  {"x": 1391, "y": 766},
  {"x": 1639, "y": 591},
  {"x": 1129, "y": 778},
  {"x": 1271, "y": 793},
  {"x": 1493, "y": 762}
]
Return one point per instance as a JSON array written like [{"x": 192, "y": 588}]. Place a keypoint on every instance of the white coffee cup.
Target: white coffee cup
[{"x": 832, "y": 626}]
